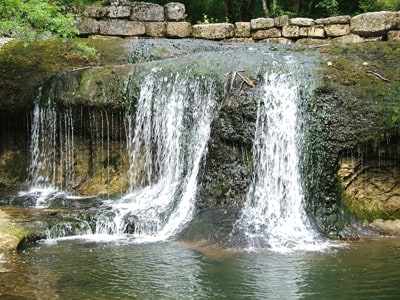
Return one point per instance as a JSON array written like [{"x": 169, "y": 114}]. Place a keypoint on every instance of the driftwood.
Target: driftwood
[
  {"x": 244, "y": 80},
  {"x": 378, "y": 75}
]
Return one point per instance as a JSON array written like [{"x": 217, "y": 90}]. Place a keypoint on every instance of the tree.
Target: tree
[{"x": 35, "y": 20}]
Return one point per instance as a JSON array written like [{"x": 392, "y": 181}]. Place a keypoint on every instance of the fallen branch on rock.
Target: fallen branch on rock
[{"x": 378, "y": 75}]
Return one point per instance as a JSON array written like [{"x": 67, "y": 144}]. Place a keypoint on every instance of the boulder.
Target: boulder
[
  {"x": 155, "y": 29},
  {"x": 291, "y": 31},
  {"x": 121, "y": 27},
  {"x": 174, "y": 11},
  {"x": 301, "y": 21},
  {"x": 335, "y": 30},
  {"x": 373, "y": 23},
  {"x": 143, "y": 11},
  {"x": 312, "y": 32},
  {"x": 281, "y": 21},
  {"x": 333, "y": 20},
  {"x": 178, "y": 29},
  {"x": 97, "y": 12},
  {"x": 87, "y": 25},
  {"x": 348, "y": 39},
  {"x": 242, "y": 29},
  {"x": 261, "y": 23},
  {"x": 119, "y": 11},
  {"x": 216, "y": 31},
  {"x": 279, "y": 40},
  {"x": 267, "y": 33},
  {"x": 393, "y": 35},
  {"x": 312, "y": 41}
]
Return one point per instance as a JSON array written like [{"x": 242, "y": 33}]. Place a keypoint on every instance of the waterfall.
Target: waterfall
[
  {"x": 166, "y": 140},
  {"x": 49, "y": 132},
  {"x": 274, "y": 214}
]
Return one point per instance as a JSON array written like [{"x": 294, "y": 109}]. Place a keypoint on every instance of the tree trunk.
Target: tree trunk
[
  {"x": 310, "y": 7},
  {"x": 229, "y": 10},
  {"x": 246, "y": 10},
  {"x": 265, "y": 8},
  {"x": 295, "y": 6}
]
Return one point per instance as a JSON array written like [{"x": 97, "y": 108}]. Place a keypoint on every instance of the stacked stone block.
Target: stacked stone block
[{"x": 126, "y": 19}]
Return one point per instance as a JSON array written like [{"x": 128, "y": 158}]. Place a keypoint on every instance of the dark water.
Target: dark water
[{"x": 369, "y": 269}]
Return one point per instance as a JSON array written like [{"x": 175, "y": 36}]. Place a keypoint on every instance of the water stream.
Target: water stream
[
  {"x": 274, "y": 214},
  {"x": 166, "y": 140}
]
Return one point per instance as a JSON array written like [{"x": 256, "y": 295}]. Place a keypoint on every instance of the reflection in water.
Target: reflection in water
[{"x": 118, "y": 270}]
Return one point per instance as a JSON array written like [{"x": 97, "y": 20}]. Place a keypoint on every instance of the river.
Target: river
[{"x": 82, "y": 269}]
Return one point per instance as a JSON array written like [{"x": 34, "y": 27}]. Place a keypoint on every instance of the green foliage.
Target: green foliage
[
  {"x": 35, "y": 20},
  {"x": 377, "y": 5},
  {"x": 330, "y": 7}
]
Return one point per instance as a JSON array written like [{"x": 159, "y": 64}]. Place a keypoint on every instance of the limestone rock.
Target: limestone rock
[
  {"x": 335, "y": 30},
  {"x": 87, "y": 25},
  {"x": 178, "y": 29},
  {"x": 393, "y": 35},
  {"x": 312, "y": 32},
  {"x": 119, "y": 11},
  {"x": 348, "y": 39},
  {"x": 333, "y": 20},
  {"x": 279, "y": 40},
  {"x": 373, "y": 23},
  {"x": 174, "y": 11},
  {"x": 312, "y": 41},
  {"x": 121, "y": 27},
  {"x": 143, "y": 11},
  {"x": 261, "y": 23},
  {"x": 301, "y": 21},
  {"x": 155, "y": 29},
  {"x": 281, "y": 21},
  {"x": 242, "y": 29},
  {"x": 291, "y": 31},
  {"x": 387, "y": 226},
  {"x": 96, "y": 12},
  {"x": 267, "y": 33},
  {"x": 216, "y": 31}
]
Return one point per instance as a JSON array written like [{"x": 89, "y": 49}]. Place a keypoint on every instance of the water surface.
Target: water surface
[{"x": 77, "y": 269}]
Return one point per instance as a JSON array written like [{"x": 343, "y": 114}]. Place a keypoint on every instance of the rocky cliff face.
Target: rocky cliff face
[{"x": 350, "y": 131}]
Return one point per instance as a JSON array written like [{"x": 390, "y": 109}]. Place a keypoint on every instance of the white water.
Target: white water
[
  {"x": 166, "y": 141},
  {"x": 274, "y": 214},
  {"x": 43, "y": 166}
]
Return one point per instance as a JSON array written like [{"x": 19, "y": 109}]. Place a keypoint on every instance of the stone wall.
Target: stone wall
[{"x": 141, "y": 19}]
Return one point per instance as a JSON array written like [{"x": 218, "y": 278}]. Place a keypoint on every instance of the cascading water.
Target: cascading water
[
  {"x": 166, "y": 141},
  {"x": 274, "y": 215},
  {"x": 43, "y": 166}
]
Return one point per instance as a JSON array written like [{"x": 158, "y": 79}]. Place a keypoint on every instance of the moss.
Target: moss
[
  {"x": 367, "y": 74},
  {"x": 24, "y": 66},
  {"x": 11, "y": 234}
]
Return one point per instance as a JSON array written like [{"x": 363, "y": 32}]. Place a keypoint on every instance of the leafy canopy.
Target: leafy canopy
[{"x": 35, "y": 20}]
